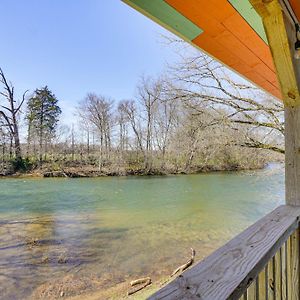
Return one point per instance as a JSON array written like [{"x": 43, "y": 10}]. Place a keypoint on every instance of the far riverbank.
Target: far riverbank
[{"x": 79, "y": 170}]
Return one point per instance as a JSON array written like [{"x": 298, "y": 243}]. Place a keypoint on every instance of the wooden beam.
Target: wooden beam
[
  {"x": 281, "y": 34},
  {"x": 278, "y": 30}
]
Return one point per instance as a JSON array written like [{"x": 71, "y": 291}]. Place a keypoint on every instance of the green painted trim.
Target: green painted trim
[
  {"x": 247, "y": 11},
  {"x": 165, "y": 15}
]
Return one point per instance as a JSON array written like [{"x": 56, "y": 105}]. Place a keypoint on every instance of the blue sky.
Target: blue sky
[{"x": 79, "y": 46}]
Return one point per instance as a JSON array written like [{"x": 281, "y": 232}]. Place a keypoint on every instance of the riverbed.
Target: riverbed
[{"x": 68, "y": 237}]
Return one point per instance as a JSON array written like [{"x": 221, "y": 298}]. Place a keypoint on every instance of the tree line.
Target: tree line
[{"x": 198, "y": 117}]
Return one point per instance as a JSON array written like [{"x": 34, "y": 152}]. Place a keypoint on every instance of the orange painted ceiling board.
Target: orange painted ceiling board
[
  {"x": 296, "y": 7},
  {"x": 249, "y": 38},
  {"x": 231, "y": 40},
  {"x": 235, "y": 46},
  {"x": 268, "y": 74},
  {"x": 209, "y": 45}
]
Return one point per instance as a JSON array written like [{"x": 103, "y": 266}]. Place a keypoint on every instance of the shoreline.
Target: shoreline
[
  {"x": 72, "y": 173},
  {"x": 88, "y": 172}
]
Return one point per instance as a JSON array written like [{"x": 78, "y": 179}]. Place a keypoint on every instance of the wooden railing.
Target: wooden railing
[{"x": 260, "y": 263}]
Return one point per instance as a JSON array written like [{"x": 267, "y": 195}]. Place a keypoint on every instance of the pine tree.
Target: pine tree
[{"x": 43, "y": 115}]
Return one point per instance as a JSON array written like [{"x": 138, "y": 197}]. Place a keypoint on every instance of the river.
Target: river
[{"x": 63, "y": 237}]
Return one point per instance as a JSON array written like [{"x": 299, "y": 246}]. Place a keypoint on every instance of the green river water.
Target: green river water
[{"x": 97, "y": 233}]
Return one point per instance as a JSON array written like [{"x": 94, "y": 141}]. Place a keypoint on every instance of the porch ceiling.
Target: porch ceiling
[{"x": 231, "y": 31}]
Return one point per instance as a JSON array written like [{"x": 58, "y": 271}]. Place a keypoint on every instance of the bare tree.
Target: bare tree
[
  {"x": 130, "y": 111},
  {"x": 165, "y": 119},
  {"x": 98, "y": 110},
  {"x": 85, "y": 125},
  {"x": 10, "y": 113},
  {"x": 149, "y": 94},
  {"x": 122, "y": 121},
  {"x": 200, "y": 80}
]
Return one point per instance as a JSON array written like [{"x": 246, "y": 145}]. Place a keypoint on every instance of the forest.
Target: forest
[{"x": 196, "y": 117}]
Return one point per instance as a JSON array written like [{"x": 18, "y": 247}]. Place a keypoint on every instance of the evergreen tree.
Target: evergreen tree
[{"x": 43, "y": 115}]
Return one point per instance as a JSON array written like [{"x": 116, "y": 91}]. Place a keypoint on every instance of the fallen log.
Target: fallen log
[
  {"x": 139, "y": 281},
  {"x": 146, "y": 281},
  {"x": 186, "y": 265}
]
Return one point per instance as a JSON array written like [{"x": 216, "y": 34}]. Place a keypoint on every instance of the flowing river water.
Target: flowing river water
[{"x": 66, "y": 237}]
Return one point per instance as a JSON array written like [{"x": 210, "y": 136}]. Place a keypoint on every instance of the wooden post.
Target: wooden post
[
  {"x": 292, "y": 154},
  {"x": 281, "y": 35}
]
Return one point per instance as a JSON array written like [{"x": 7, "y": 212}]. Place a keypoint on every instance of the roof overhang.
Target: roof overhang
[{"x": 231, "y": 31}]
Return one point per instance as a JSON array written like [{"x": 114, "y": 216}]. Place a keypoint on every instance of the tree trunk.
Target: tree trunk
[{"x": 16, "y": 139}]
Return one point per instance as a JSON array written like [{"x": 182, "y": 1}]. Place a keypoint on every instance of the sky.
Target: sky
[{"x": 79, "y": 46}]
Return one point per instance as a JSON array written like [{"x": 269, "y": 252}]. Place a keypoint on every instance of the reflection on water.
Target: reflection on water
[{"x": 90, "y": 234}]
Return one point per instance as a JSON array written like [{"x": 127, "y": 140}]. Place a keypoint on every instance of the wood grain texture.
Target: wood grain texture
[
  {"x": 252, "y": 291},
  {"x": 277, "y": 275},
  {"x": 228, "y": 272},
  {"x": 271, "y": 280},
  {"x": 292, "y": 155},
  {"x": 288, "y": 269},
  {"x": 283, "y": 273},
  {"x": 261, "y": 280},
  {"x": 294, "y": 265}
]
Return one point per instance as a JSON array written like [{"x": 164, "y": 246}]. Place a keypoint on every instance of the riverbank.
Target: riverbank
[
  {"x": 134, "y": 164},
  {"x": 94, "y": 173},
  {"x": 89, "y": 171}
]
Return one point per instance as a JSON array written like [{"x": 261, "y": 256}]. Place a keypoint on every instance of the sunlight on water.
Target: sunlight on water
[{"x": 95, "y": 233}]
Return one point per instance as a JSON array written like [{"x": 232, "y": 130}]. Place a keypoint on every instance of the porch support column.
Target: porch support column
[
  {"x": 281, "y": 35},
  {"x": 292, "y": 154}
]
